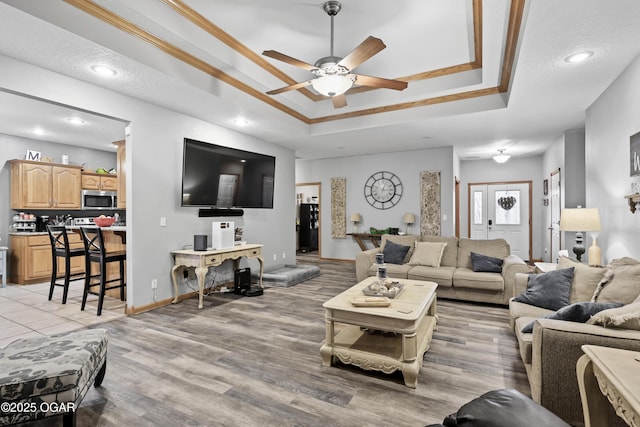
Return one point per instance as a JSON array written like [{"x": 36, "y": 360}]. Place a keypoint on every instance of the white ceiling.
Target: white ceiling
[{"x": 547, "y": 95}]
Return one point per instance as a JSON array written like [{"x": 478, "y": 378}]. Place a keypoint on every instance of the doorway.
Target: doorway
[
  {"x": 502, "y": 210},
  {"x": 308, "y": 222},
  {"x": 554, "y": 228}
]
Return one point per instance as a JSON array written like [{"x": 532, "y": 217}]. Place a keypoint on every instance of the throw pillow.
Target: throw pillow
[
  {"x": 625, "y": 317},
  {"x": 548, "y": 290},
  {"x": 485, "y": 263},
  {"x": 394, "y": 253},
  {"x": 428, "y": 254},
  {"x": 585, "y": 279},
  {"x": 579, "y": 312},
  {"x": 624, "y": 286}
]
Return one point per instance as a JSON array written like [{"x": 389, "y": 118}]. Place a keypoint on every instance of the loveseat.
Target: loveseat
[
  {"x": 550, "y": 352},
  {"x": 447, "y": 261}
]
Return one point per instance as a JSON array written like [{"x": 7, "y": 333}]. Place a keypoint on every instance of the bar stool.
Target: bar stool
[
  {"x": 60, "y": 248},
  {"x": 95, "y": 253}
]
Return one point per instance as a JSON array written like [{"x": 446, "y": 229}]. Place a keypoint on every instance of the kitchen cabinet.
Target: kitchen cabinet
[
  {"x": 121, "y": 158},
  {"x": 31, "y": 260},
  {"x": 40, "y": 185},
  {"x": 97, "y": 181}
]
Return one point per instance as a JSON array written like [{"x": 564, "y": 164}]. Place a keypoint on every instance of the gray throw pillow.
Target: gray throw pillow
[
  {"x": 394, "y": 253},
  {"x": 548, "y": 290},
  {"x": 579, "y": 312},
  {"x": 485, "y": 263}
]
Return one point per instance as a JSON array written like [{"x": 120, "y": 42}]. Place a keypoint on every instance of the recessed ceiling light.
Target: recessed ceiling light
[
  {"x": 38, "y": 131},
  {"x": 103, "y": 70},
  {"x": 75, "y": 121},
  {"x": 241, "y": 121},
  {"x": 579, "y": 57}
]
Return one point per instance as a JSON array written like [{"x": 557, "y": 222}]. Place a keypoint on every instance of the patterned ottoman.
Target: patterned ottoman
[{"x": 49, "y": 376}]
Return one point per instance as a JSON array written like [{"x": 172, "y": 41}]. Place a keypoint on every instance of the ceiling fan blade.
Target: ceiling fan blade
[
  {"x": 289, "y": 60},
  {"x": 364, "y": 51},
  {"x": 288, "y": 88},
  {"x": 339, "y": 101},
  {"x": 380, "y": 82}
]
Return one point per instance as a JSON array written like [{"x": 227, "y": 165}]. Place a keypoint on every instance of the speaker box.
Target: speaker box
[
  {"x": 200, "y": 242},
  {"x": 242, "y": 281}
]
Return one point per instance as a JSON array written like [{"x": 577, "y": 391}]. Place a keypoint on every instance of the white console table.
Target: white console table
[{"x": 200, "y": 261}]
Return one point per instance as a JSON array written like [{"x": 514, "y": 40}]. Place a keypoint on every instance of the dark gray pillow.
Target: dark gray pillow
[
  {"x": 548, "y": 290},
  {"x": 394, "y": 253},
  {"x": 485, "y": 263},
  {"x": 579, "y": 312}
]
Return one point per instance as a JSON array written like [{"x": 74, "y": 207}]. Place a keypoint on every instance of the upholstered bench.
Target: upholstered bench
[{"x": 49, "y": 376}]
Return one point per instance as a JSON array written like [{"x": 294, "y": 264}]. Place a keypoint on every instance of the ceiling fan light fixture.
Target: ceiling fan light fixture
[
  {"x": 332, "y": 85},
  {"x": 501, "y": 158}
]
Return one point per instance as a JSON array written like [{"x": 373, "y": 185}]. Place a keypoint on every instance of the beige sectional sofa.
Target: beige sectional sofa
[
  {"x": 551, "y": 351},
  {"x": 453, "y": 271}
]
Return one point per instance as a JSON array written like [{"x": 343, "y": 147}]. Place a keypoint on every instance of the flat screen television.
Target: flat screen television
[{"x": 223, "y": 177}]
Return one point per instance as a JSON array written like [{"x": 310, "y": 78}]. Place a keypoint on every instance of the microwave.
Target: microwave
[{"x": 96, "y": 199}]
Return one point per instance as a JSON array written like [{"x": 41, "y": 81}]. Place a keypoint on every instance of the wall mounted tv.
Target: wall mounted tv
[{"x": 223, "y": 177}]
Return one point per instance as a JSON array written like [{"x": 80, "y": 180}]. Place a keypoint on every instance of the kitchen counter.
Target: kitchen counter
[{"x": 114, "y": 228}]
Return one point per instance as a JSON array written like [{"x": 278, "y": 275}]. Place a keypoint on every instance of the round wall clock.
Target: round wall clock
[{"x": 383, "y": 190}]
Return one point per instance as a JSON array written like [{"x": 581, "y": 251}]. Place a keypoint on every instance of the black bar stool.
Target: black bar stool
[
  {"x": 95, "y": 253},
  {"x": 60, "y": 248}
]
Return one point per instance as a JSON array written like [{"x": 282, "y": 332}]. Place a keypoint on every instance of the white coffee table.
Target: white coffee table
[{"x": 383, "y": 339}]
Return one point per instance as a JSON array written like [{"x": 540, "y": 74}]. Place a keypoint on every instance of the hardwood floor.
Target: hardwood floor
[{"x": 244, "y": 361}]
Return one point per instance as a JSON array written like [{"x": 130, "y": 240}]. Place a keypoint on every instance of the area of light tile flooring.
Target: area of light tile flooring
[{"x": 26, "y": 312}]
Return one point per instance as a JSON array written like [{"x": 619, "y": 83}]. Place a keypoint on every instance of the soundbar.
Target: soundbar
[{"x": 212, "y": 212}]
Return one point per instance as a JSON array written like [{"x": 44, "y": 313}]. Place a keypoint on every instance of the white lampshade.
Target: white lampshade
[
  {"x": 409, "y": 218},
  {"x": 332, "y": 85},
  {"x": 355, "y": 217},
  {"x": 580, "y": 219}
]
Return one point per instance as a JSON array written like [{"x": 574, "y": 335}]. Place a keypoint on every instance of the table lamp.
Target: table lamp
[
  {"x": 409, "y": 219},
  {"x": 355, "y": 219},
  {"x": 581, "y": 220}
]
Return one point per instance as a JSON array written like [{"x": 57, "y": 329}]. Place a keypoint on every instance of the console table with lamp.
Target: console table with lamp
[{"x": 583, "y": 220}]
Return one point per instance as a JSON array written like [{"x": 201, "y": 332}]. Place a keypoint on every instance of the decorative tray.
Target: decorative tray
[
  {"x": 388, "y": 289},
  {"x": 370, "y": 302}
]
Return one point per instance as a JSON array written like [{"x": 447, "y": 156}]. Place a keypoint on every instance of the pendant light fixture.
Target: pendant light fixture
[{"x": 501, "y": 157}]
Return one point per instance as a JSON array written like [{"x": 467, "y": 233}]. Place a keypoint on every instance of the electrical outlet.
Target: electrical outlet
[
  {"x": 284, "y": 255},
  {"x": 154, "y": 284},
  {"x": 163, "y": 222},
  {"x": 275, "y": 257}
]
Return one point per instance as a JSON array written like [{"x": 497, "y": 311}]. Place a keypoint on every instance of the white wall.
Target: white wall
[
  {"x": 552, "y": 160},
  {"x": 516, "y": 169},
  {"x": 154, "y": 156},
  {"x": 406, "y": 165},
  {"x": 610, "y": 121}
]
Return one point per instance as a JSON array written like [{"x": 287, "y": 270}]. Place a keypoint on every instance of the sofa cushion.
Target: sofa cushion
[
  {"x": 624, "y": 286},
  {"x": 625, "y": 317},
  {"x": 578, "y": 312},
  {"x": 450, "y": 254},
  {"x": 401, "y": 240},
  {"x": 467, "y": 278},
  {"x": 443, "y": 276},
  {"x": 397, "y": 271},
  {"x": 394, "y": 253},
  {"x": 525, "y": 339},
  {"x": 548, "y": 290},
  {"x": 498, "y": 248},
  {"x": 428, "y": 254},
  {"x": 485, "y": 263},
  {"x": 520, "y": 309},
  {"x": 585, "y": 279}
]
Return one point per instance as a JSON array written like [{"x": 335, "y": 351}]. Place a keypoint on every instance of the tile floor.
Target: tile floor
[{"x": 25, "y": 311}]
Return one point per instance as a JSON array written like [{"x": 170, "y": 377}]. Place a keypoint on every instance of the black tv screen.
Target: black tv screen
[{"x": 223, "y": 177}]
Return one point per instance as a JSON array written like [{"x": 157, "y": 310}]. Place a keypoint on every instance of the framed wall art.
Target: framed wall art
[
  {"x": 634, "y": 160},
  {"x": 545, "y": 187}
]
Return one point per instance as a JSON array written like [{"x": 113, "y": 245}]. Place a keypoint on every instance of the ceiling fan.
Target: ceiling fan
[{"x": 333, "y": 74}]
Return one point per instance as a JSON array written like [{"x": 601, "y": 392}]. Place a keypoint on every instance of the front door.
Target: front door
[{"x": 501, "y": 210}]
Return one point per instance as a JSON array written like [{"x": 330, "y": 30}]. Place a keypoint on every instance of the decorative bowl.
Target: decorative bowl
[
  {"x": 387, "y": 289},
  {"x": 105, "y": 221}
]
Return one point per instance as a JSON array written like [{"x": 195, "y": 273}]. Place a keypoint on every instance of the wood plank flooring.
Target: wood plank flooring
[{"x": 244, "y": 361}]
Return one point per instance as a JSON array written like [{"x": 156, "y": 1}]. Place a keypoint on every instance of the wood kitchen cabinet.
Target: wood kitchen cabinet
[
  {"x": 121, "y": 157},
  {"x": 31, "y": 258},
  {"x": 39, "y": 185},
  {"x": 97, "y": 181}
]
